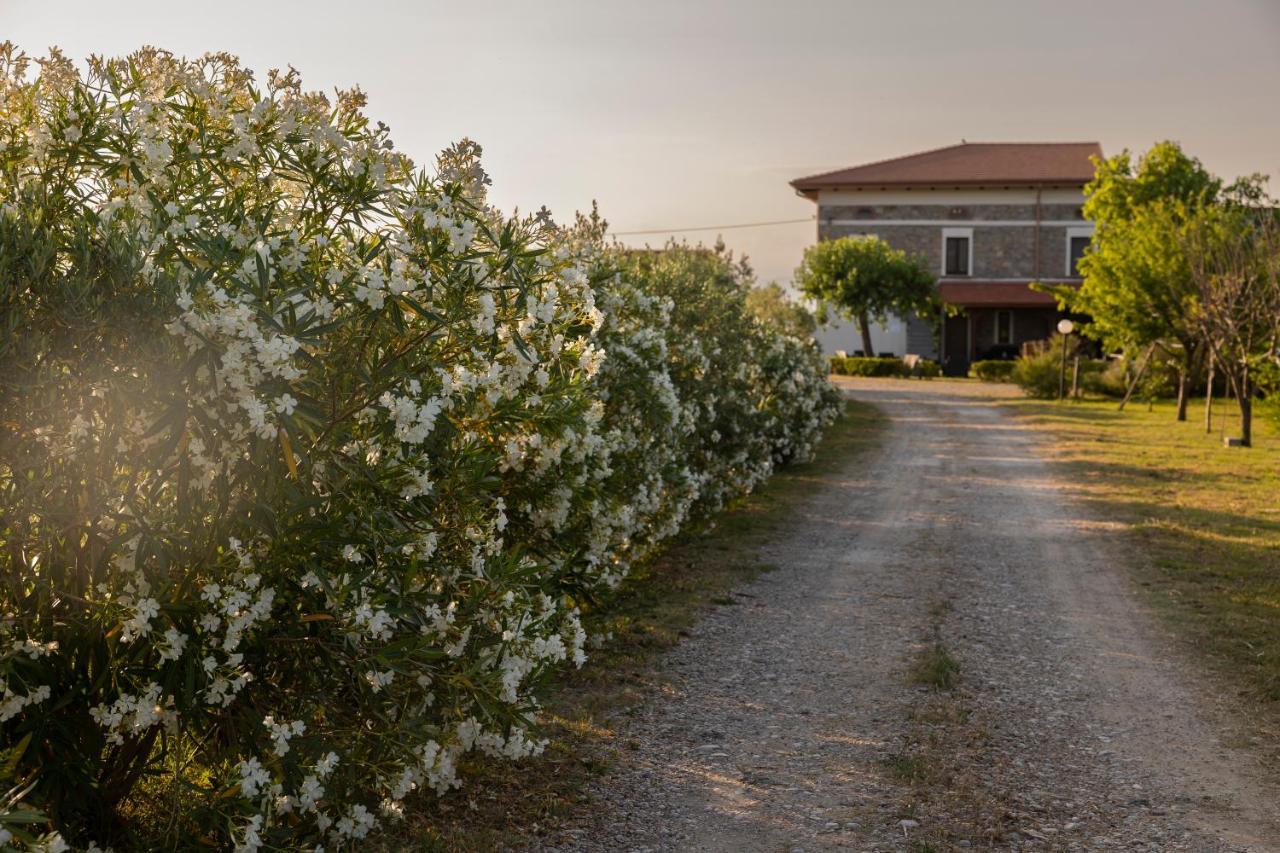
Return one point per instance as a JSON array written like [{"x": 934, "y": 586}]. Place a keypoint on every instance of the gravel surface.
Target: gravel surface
[{"x": 790, "y": 723}]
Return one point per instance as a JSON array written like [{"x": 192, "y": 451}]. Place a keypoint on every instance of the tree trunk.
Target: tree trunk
[
  {"x": 1182, "y": 395},
  {"x": 1244, "y": 395},
  {"x": 1184, "y": 376},
  {"x": 1208, "y": 398},
  {"x": 864, "y": 325}
]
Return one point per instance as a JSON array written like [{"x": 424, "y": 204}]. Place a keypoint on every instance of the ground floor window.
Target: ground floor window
[{"x": 1004, "y": 327}]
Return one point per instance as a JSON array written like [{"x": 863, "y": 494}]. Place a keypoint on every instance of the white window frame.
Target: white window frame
[
  {"x": 967, "y": 233},
  {"x": 1072, "y": 233},
  {"x": 995, "y": 329}
]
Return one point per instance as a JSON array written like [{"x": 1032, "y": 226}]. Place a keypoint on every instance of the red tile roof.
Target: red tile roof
[
  {"x": 969, "y": 164},
  {"x": 1001, "y": 294}
]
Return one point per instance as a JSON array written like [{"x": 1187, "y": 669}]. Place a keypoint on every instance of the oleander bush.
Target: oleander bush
[
  {"x": 309, "y": 457},
  {"x": 992, "y": 370}
]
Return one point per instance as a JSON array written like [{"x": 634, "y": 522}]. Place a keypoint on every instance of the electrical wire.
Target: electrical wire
[{"x": 712, "y": 227}]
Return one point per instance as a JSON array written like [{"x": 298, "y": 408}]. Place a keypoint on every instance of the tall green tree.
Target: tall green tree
[
  {"x": 1138, "y": 287},
  {"x": 865, "y": 279}
]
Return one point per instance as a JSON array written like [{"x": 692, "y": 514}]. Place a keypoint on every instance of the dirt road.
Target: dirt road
[{"x": 791, "y": 721}]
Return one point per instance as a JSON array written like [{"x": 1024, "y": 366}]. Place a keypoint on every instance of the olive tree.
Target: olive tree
[{"x": 864, "y": 278}]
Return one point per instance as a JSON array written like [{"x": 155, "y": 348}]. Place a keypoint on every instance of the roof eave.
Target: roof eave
[{"x": 809, "y": 190}]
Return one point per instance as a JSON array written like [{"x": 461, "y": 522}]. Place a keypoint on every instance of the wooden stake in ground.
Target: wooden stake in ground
[
  {"x": 1208, "y": 398},
  {"x": 1137, "y": 377}
]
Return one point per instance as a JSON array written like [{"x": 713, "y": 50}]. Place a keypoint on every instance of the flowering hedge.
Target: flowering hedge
[{"x": 308, "y": 458}]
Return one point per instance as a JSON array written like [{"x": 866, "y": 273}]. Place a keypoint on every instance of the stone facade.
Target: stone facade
[
  {"x": 999, "y": 251},
  {"x": 1013, "y": 239}
]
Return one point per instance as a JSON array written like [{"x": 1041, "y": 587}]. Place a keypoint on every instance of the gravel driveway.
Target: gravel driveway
[{"x": 790, "y": 722}]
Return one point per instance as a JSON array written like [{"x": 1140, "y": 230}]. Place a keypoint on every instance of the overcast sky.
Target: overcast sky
[{"x": 691, "y": 113}]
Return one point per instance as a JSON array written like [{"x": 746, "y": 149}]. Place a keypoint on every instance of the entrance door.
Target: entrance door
[{"x": 955, "y": 346}]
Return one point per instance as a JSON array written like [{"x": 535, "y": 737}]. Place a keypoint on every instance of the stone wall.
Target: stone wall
[{"x": 1005, "y": 251}]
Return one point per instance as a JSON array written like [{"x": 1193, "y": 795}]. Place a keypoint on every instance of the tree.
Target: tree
[
  {"x": 863, "y": 278},
  {"x": 771, "y": 305},
  {"x": 1138, "y": 287},
  {"x": 1233, "y": 254}
]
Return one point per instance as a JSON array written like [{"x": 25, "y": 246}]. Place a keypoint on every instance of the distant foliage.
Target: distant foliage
[
  {"x": 771, "y": 305},
  {"x": 309, "y": 458}
]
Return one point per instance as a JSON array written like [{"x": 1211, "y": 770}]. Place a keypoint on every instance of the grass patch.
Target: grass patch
[
  {"x": 505, "y": 805},
  {"x": 1205, "y": 518}
]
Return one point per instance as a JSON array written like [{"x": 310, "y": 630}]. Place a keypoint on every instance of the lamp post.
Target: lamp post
[{"x": 1065, "y": 327}]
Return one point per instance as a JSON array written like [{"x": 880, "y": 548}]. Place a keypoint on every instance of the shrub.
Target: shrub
[
  {"x": 993, "y": 371},
  {"x": 926, "y": 369},
  {"x": 1038, "y": 374},
  {"x": 309, "y": 456},
  {"x": 858, "y": 366}
]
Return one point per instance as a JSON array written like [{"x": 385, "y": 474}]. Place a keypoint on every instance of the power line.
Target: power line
[{"x": 713, "y": 227}]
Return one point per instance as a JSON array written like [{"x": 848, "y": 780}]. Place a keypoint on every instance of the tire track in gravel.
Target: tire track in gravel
[{"x": 1080, "y": 728}]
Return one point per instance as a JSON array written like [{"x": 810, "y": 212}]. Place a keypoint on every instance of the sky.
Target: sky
[{"x": 678, "y": 115}]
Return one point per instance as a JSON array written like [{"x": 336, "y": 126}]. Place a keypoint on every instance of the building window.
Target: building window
[
  {"x": 957, "y": 256},
  {"x": 957, "y": 251},
  {"x": 1076, "y": 252},
  {"x": 1078, "y": 239},
  {"x": 1004, "y": 327}
]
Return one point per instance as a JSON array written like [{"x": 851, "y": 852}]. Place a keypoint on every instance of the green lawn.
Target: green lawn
[
  {"x": 500, "y": 805},
  {"x": 1205, "y": 518}
]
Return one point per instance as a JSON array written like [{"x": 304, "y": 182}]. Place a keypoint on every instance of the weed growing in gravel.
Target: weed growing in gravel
[
  {"x": 906, "y": 768},
  {"x": 936, "y": 667}
]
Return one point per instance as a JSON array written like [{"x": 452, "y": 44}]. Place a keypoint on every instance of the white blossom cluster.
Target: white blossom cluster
[{"x": 333, "y": 451}]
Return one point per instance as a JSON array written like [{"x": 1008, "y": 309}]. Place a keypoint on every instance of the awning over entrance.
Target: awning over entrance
[{"x": 1003, "y": 294}]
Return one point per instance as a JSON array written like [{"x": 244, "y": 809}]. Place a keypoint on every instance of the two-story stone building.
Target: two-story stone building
[{"x": 990, "y": 218}]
